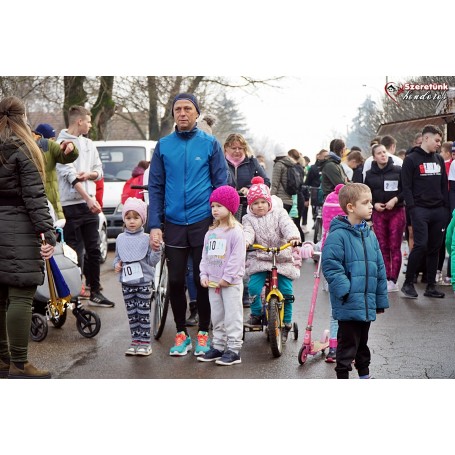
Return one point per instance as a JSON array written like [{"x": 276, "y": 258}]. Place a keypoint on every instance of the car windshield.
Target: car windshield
[{"x": 119, "y": 161}]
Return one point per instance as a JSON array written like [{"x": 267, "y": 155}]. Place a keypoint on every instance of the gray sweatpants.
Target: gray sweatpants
[{"x": 227, "y": 317}]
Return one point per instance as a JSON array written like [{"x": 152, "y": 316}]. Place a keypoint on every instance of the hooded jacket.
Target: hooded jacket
[
  {"x": 24, "y": 215},
  {"x": 137, "y": 178},
  {"x": 280, "y": 178},
  {"x": 424, "y": 180},
  {"x": 273, "y": 229},
  {"x": 186, "y": 167},
  {"x": 88, "y": 161},
  {"x": 353, "y": 266},
  {"x": 332, "y": 173},
  {"x": 385, "y": 183}
]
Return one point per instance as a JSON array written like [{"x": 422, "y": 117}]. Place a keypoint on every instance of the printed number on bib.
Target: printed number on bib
[
  {"x": 390, "y": 185},
  {"x": 132, "y": 272},
  {"x": 216, "y": 247}
]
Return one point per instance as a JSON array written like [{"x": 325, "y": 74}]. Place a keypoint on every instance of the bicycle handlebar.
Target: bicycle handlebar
[{"x": 269, "y": 249}]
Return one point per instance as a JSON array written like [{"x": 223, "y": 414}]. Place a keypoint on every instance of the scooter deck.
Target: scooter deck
[{"x": 317, "y": 346}]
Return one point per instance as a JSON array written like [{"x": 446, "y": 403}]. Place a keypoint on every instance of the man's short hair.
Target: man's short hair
[
  {"x": 431, "y": 129},
  {"x": 388, "y": 141},
  {"x": 447, "y": 147},
  {"x": 355, "y": 155},
  {"x": 350, "y": 194},
  {"x": 354, "y": 148},
  {"x": 338, "y": 146},
  {"x": 76, "y": 112},
  {"x": 295, "y": 154},
  {"x": 375, "y": 140}
]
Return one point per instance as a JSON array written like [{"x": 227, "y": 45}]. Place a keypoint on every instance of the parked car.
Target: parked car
[
  {"x": 102, "y": 229},
  {"x": 119, "y": 159}
]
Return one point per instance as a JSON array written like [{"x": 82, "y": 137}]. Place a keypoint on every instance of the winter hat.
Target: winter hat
[
  {"x": 46, "y": 130},
  {"x": 187, "y": 97},
  {"x": 133, "y": 203},
  {"x": 258, "y": 190},
  {"x": 226, "y": 196}
]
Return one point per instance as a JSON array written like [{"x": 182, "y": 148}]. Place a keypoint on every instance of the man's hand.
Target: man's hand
[
  {"x": 93, "y": 206},
  {"x": 47, "y": 251},
  {"x": 156, "y": 239},
  {"x": 67, "y": 147}
]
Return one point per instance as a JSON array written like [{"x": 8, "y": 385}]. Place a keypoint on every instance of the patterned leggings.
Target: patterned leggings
[
  {"x": 137, "y": 302},
  {"x": 389, "y": 227}
]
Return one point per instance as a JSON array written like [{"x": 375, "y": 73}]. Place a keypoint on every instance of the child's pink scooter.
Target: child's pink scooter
[{"x": 310, "y": 347}]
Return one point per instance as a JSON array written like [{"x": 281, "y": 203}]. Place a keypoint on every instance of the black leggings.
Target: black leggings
[{"x": 177, "y": 260}]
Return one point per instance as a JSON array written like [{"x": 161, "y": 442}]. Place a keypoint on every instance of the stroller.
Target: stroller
[{"x": 60, "y": 292}]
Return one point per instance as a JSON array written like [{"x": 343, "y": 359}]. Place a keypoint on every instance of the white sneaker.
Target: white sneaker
[
  {"x": 438, "y": 278},
  {"x": 391, "y": 286},
  {"x": 305, "y": 229},
  {"x": 144, "y": 349},
  {"x": 447, "y": 281}
]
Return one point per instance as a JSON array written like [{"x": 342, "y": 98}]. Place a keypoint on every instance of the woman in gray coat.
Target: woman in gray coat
[{"x": 24, "y": 216}]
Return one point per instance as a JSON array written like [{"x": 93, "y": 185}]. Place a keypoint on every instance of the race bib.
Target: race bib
[
  {"x": 216, "y": 247},
  {"x": 390, "y": 185},
  {"x": 132, "y": 272}
]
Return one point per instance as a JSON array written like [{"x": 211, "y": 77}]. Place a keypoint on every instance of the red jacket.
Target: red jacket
[{"x": 136, "y": 179}]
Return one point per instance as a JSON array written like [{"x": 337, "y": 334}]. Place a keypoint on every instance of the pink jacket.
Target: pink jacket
[{"x": 330, "y": 209}]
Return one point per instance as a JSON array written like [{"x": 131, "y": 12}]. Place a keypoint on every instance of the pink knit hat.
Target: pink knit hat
[
  {"x": 258, "y": 190},
  {"x": 227, "y": 197},
  {"x": 139, "y": 206}
]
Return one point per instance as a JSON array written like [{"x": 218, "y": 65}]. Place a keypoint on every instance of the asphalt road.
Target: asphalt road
[{"x": 411, "y": 340}]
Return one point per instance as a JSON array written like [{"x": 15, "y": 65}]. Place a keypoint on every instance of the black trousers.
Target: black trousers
[
  {"x": 352, "y": 345},
  {"x": 81, "y": 234},
  {"x": 428, "y": 225},
  {"x": 177, "y": 267}
]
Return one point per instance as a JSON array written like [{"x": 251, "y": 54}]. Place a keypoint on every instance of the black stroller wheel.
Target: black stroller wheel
[
  {"x": 88, "y": 323},
  {"x": 38, "y": 327}
]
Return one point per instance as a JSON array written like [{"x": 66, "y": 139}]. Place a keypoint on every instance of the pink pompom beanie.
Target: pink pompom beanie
[
  {"x": 139, "y": 206},
  {"x": 258, "y": 190},
  {"x": 227, "y": 197}
]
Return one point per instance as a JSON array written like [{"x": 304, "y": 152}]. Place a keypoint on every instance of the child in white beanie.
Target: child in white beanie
[{"x": 136, "y": 261}]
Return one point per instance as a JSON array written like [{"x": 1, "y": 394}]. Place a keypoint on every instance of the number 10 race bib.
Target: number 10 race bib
[
  {"x": 132, "y": 272},
  {"x": 216, "y": 247}
]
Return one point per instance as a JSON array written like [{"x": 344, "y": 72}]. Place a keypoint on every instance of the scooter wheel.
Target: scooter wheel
[
  {"x": 303, "y": 354},
  {"x": 296, "y": 330}
]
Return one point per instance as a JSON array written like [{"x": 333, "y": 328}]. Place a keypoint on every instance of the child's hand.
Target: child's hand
[
  {"x": 118, "y": 267},
  {"x": 204, "y": 282},
  {"x": 294, "y": 242},
  {"x": 223, "y": 284}
]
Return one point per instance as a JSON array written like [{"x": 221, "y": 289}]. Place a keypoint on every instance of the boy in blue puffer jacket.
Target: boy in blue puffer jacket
[{"x": 354, "y": 268}]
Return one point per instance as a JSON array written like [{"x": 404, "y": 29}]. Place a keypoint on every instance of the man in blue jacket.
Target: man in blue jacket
[{"x": 186, "y": 167}]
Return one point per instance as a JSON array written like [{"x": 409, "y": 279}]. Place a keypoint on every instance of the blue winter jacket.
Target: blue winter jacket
[
  {"x": 354, "y": 268},
  {"x": 186, "y": 167}
]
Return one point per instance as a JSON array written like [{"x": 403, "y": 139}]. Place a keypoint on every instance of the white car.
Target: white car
[{"x": 102, "y": 229}]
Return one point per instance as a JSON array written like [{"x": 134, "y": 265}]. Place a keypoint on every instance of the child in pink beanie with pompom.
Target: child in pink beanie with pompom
[
  {"x": 269, "y": 224},
  {"x": 330, "y": 209}
]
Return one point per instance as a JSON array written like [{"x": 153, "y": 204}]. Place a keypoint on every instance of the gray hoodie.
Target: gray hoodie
[{"x": 88, "y": 161}]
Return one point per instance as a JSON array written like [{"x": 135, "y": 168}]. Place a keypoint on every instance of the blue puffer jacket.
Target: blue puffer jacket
[
  {"x": 353, "y": 265},
  {"x": 186, "y": 167}
]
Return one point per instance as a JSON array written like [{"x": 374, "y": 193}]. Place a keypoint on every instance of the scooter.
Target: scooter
[{"x": 310, "y": 347}]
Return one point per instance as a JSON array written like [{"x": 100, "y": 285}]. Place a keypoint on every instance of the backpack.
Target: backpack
[{"x": 294, "y": 180}]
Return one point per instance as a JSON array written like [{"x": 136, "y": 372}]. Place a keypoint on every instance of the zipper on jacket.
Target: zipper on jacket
[
  {"x": 366, "y": 275},
  {"x": 184, "y": 183}
]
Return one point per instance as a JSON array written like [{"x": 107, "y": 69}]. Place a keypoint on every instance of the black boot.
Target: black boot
[{"x": 193, "y": 319}]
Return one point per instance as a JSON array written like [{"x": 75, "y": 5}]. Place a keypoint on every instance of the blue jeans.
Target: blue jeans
[{"x": 255, "y": 286}]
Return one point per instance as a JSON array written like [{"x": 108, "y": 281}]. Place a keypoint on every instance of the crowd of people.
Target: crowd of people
[{"x": 206, "y": 221}]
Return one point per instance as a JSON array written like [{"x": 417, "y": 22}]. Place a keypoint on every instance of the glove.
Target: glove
[
  {"x": 379, "y": 310},
  {"x": 307, "y": 250}
]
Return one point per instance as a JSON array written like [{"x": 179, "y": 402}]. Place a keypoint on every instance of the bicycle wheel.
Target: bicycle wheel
[
  {"x": 274, "y": 327},
  {"x": 161, "y": 299}
]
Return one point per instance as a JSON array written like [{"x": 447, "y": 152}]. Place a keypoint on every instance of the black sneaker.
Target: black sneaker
[
  {"x": 229, "y": 358},
  {"x": 285, "y": 332},
  {"x": 211, "y": 355},
  {"x": 254, "y": 320},
  {"x": 409, "y": 291},
  {"x": 98, "y": 299},
  {"x": 431, "y": 291}
]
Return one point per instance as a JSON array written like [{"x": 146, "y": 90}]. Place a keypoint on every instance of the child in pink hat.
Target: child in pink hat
[
  {"x": 269, "y": 224},
  {"x": 135, "y": 261},
  {"x": 221, "y": 270}
]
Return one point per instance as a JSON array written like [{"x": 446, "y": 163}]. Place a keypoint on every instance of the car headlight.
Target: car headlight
[{"x": 119, "y": 208}]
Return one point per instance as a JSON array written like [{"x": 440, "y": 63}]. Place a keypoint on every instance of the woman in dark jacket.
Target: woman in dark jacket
[
  {"x": 243, "y": 166},
  {"x": 389, "y": 219},
  {"x": 24, "y": 216},
  {"x": 332, "y": 173}
]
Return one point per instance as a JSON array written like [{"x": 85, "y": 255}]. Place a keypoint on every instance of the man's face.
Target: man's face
[
  {"x": 84, "y": 124},
  {"x": 185, "y": 115},
  {"x": 431, "y": 142}
]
